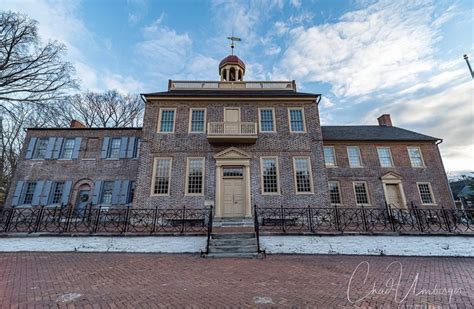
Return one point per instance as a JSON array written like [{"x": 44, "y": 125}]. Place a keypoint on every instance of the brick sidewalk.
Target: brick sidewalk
[{"x": 116, "y": 280}]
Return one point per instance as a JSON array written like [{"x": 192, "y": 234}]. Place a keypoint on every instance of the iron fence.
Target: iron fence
[
  {"x": 362, "y": 220},
  {"x": 104, "y": 220}
]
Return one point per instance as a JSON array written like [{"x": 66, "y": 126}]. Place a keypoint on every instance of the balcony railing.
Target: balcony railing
[
  {"x": 239, "y": 132},
  {"x": 217, "y": 85}
]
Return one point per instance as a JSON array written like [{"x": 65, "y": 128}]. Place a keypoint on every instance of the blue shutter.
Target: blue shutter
[
  {"x": 50, "y": 147},
  {"x": 66, "y": 192},
  {"x": 123, "y": 148},
  {"x": 44, "y": 198},
  {"x": 17, "y": 193},
  {"x": 37, "y": 193},
  {"x": 96, "y": 193},
  {"x": 131, "y": 146},
  {"x": 116, "y": 192},
  {"x": 31, "y": 147},
  {"x": 77, "y": 146},
  {"x": 124, "y": 192},
  {"x": 57, "y": 147},
  {"x": 105, "y": 148}
]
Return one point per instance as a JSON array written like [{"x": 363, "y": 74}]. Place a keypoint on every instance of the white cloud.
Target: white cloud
[
  {"x": 296, "y": 3},
  {"x": 382, "y": 46},
  {"x": 123, "y": 84}
]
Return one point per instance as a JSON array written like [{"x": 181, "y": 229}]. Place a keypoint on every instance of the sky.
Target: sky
[{"x": 365, "y": 57}]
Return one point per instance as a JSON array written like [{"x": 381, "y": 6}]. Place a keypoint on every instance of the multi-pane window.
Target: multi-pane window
[
  {"x": 355, "y": 160},
  {"x": 40, "y": 148},
  {"x": 131, "y": 192},
  {"x": 296, "y": 120},
  {"x": 29, "y": 191},
  {"x": 136, "y": 150},
  {"x": 114, "y": 149},
  {"x": 167, "y": 120},
  {"x": 195, "y": 175},
  {"x": 270, "y": 175},
  {"x": 416, "y": 158},
  {"x": 329, "y": 156},
  {"x": 56, "y": 193},
  {"x": 334, "y": 192},
  {"x": 385, "y": 156},
  {"x": 303, "y": 175},
  {"x": 107, "y": 190},
  {"x": 233, "y": 172},
  {"x": 198, "y": 120},
  {"x": 425, "y": 193},
  {"x": 361, "y": 194},
  {"x": 161, "y": 180},
  {"x": 68, "y": 147},
  {"x": 266, "y": 120}
]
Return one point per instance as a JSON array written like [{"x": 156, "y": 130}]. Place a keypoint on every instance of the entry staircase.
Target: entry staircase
[{"x": 233, "y": 238}]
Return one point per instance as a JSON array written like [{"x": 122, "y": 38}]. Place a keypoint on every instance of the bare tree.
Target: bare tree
[
  {"x": 29, "y": 70},
  {"x": 108, "y": 109}
]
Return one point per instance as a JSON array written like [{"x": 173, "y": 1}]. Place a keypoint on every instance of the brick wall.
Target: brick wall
[
  {"x": 433, "y": 172},
  {"x": 181, "y": 145}
]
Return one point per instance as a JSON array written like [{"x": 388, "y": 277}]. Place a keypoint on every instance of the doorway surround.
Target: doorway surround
[
  {"x": 232, "y": 157},
  {"x": 390, "y": 181}
]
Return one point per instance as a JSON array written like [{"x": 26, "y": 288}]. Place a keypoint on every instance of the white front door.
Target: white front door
[
  {"x": 394, "y": 197},
  {"x": 233, "y": 195},
  {"x": 231, "y": 120}
]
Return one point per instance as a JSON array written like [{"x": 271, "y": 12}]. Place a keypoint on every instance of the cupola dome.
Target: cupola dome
[{"x": 232, "y": 69}]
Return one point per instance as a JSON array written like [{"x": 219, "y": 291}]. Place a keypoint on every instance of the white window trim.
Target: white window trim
[
  {"x": 360, "y": 157},
  {"x": 431, "y": 192},
  {"x": 260, "y": 119},
  {"x": 203, "y": 159},
  {"x": 366, "y": 191},
  {"x": 277, "y": 172},
  {"x": 338, "y": 189},
  {"x": 153, "y": 179},
  {"x": 191, "y": 118},
  {"x": 421, "y": 156},
  {"x": 391, "y": 157},
  {"x": 303, "y": 116},
  {"x": 335, "y": 158},
  {"x": 310, "y": 175},
  {"x": 158, "y": 130}
]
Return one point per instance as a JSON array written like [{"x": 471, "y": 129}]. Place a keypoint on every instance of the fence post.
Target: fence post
[
  {"x": 364, "y": 219},
  {"x": 69, "y": 217},
  {"x": 390, "y": 216},
  {"x": 155, "y": 218},
  {"x": 9, "y": 219},
  {"x": 256, "y": 226},
  {"x": 96, "y": 226},
  {"x": 417, "y": 216},
  {"x": 38, "y": 219},
  {"x": 183, "y": 218},
  {"x": 127, "y": 218},
  {"x": 446, "y": 219},
  {"x": 338, "y": 224},
  {"x": 282, "y": 218},
  {"x": 310, "y": 219}
]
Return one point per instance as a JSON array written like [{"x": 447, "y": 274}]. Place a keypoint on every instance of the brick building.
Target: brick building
[{"x": 231, "y": 144}]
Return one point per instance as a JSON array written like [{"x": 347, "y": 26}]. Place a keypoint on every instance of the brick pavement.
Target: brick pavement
[{"x": 122, "y": 280}]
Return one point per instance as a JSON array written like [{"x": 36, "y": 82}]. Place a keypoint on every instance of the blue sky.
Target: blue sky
[{"x": 365, "y": 57}]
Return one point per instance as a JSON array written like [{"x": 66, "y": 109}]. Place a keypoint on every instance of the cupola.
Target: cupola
[{"x": 232, "y": 69}]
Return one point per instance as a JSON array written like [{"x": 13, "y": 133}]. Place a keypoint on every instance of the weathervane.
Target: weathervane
[{"x": 233, "y": 39}]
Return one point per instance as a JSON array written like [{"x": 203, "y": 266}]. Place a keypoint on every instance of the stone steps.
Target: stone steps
[{"x": 239, "y": 245}]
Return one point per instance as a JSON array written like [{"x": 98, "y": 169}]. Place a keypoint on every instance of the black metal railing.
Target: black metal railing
[
  {"x": 209, "y": 231},
  {"x": 362, "y": 220},
  {"x": 108, "y": 220}
]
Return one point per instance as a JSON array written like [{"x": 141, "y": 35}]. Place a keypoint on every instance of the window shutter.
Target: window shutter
[
  {"x": 50, "y": 147},
  {"x": 31, "y": 147},
  {"x": 116, "y": 192},
  {"x": 77, "y": 146},
  {"x": 96, "y": 193},
  {"x": 105, "y": 147},
  {"x": 57, "y": 147},
  {"x": 131, "y": 146},
  {"x": 124, "y": 192},
  {"x": 37, "y": 193},
  {"x": 66, "y": 192},
  {"x": 123, "y": 147},
  {"x": 44, "y": 198},
  {"x": 17, "y": 193}
]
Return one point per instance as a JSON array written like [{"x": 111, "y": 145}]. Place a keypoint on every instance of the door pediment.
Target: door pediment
[
  {"x": 232, "y": 153},
  {"x": 391, "y": 176}
]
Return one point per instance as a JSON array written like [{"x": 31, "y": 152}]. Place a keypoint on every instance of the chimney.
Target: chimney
[
  {"x": 385, "y": 120},
  {"x": 76, "y": 124}
]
